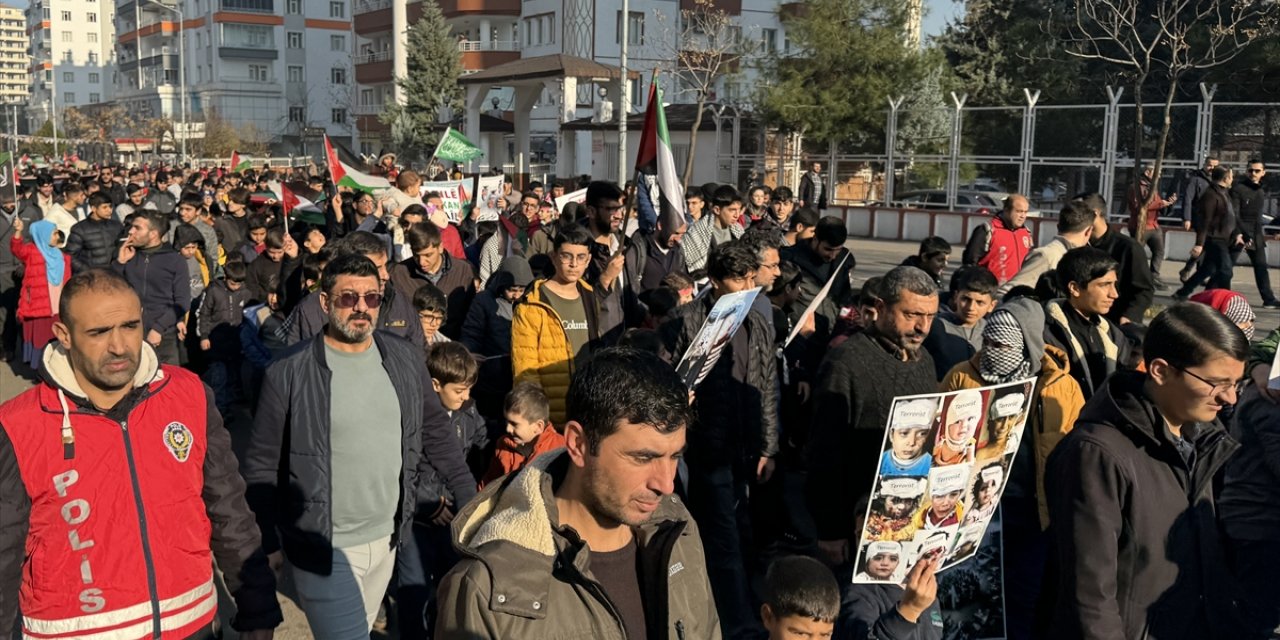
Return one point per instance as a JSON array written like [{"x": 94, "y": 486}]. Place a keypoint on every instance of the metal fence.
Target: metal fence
[{"x": 941, "y": 156}]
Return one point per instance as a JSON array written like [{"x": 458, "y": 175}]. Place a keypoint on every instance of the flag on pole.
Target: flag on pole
[
  {"x": 299, "y": 202},
  {"x": 239, "y": 163},
  {"x": 8, "y": 174},
  {"x": 456, "y": 147},
  {"x": 659, "y": 194},
  {"x": 344, "y": 175}
]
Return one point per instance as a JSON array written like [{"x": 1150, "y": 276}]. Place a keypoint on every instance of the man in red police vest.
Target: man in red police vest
[{"x": 119, "y": 489}]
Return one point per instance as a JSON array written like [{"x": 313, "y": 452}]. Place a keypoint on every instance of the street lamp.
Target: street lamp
[{"x": 182, "y": 69}]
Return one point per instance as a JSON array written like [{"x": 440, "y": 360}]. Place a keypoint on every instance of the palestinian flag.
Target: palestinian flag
[
  {"x": 299, "y": 202},
  {"x": 344, "y": 175},
  {"x": 239, "y": 163},
  {"x": 659, "y": 195}
]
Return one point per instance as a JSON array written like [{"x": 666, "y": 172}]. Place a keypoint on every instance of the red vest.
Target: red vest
[
  {"x": 119, "y": 538},
  {"x": 1006, "y": 250}
]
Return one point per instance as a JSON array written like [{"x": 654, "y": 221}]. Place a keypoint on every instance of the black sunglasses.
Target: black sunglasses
[{"x": 350, "y": 299}]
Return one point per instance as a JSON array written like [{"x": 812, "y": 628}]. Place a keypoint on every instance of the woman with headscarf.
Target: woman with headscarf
[
  {"x": 46, "y": 269},
  {"x": 1013, "y": 349}
]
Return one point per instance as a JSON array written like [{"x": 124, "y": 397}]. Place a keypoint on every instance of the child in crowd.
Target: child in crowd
[
  {"x": 218, "y": 321},
  {"x": 429, "y": 554},
  {"x": 956, "y": 334},
  {"x": 256, "y": 242},
  {"x": 801, "y": 599},
  {"x": 261, "y": 339},
  {"x": 932, "y": 258},
  {"x": 529, "y": 431},
  {"x": 45, "y": 269},
  {"x": 433, "y": 310}
]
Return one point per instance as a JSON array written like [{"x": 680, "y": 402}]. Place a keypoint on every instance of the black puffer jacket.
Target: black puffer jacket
[
  {"x": 733, "y": 418},
  {"x": 287, "y": 463},
  {"x": 1134, "y": 532},
  {"x": 162, "y": 280},
  {"x": 218, "y": 319},
  {"x": 92, "y": 244}
]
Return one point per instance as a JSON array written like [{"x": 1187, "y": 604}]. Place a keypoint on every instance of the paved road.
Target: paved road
[{"x": 874, "y": 257}]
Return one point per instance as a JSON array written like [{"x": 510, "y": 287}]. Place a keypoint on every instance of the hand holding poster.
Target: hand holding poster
[
  {"x": 454, "y": 195},
  {"x": 945, "y": 460},
  {"x": 579, "y": 196},
  {"x": 723, "y": 321},
  {"x": 817, "y": 301},
  {"x": 489, "y": 200}
]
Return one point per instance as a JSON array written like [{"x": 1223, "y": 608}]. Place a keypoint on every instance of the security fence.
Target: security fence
[{"x": 961, "y": 157}]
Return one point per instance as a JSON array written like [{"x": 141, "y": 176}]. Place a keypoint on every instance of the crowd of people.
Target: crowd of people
[{"x": 472, "y": 426}]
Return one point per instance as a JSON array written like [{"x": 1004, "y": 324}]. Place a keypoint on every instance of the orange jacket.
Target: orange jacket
[{"x": 507, "y": 457}]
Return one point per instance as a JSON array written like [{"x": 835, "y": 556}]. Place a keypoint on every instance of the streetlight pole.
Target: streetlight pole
[
  {"x": 625, "y": 95},
  {"x": 182, "y": 70}
]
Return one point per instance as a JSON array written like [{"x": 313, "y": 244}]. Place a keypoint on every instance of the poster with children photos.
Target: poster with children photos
[{"x": 943, "y": 467}]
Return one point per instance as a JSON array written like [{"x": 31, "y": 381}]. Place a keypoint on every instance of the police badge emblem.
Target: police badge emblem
[{"x": 177, "y": 437}]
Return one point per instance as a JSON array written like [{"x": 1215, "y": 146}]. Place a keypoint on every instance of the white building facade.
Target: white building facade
[{"x": 72, "y": 56}]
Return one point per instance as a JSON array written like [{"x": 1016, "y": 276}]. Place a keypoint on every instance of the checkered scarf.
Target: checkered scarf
[
  {"x": 1008, "y": 362},
  {"x": 1239, "y": 312}
]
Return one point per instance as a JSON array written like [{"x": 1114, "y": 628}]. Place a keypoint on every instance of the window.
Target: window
[
  {"x": 258, "y": 72},
  {"x": 338, "y": 75},
  {"x": 339, "y": 116},
  {"x": 294, "y": 39},
  {"x": 338, "y": 43},
  {"x": 95, "y": 78},
  {"x": 247, "y": 36},
  {"x": 91, "y": 16},
  {"x": 337, "y": 10},
  {"x": 769, "y": 40},
  {"x": 635, "y": 28},
  {"x": 366, "y": 96},
  {"x": 68, "y": 76},
  {"x": 66, "y": 37},
  {"x": 540, "y": 29},
  {"x": 294, "y": 6},
  {"x": 93, "y": 57},
  {"x": 295, "y": 73},
  {"x": 69, "y": 98},
  {"x": 93, "y": 37},
  {"x": 297, "y": 114},
  {"x": 256, "y": 6},
  {"x": 66, "y": 16},
  {"x": 94, "y": 98}
]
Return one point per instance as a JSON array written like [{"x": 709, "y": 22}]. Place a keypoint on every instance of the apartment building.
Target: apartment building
[
  {"x": 282, "y": 66},
  {"x": 14, "y": 62},
  {"x": 72, "y": 45}
]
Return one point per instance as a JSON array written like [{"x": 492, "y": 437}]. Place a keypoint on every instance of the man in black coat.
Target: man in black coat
[
  {"x": 1130, "y": 491},
  {"x": 1251, "y": 200},
  {"x": 1134, "y": 282},
  {"x": 814, "y": 191},
  {"x": 1217, "y": 234},
  {"x": 92, "y": 241},
  {"x": 161, "y": 277}
]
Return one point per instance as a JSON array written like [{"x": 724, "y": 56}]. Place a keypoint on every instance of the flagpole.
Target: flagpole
[{"x": 624, "y": 96}]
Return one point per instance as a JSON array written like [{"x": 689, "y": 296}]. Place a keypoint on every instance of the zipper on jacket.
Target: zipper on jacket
[{"x": 142, "y": 526}]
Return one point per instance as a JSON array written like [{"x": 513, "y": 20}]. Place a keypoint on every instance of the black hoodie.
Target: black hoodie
[
  {"x": 162, "y": 280},
  {"x": 1134, "y": 532}
]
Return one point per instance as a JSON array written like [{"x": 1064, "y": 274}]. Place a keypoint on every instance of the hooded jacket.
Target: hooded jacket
[
  {"x": 540, "y": 350},
  {"x": 1115, "y": 347},
  {"x": 287, "y": 463},
  {"x": 509, "y": 457},
  {"x": 35, "y": 297},
  {"x": 950, "y": 343},
  {"x": 162, "y": 279},
  {"x": 1058, "y": 398},
  {"x": 487, "y": 330},
  {"x": 457, "y": 282},
  {"x": 1135, "y": 536},
  {"x": 110, "y": 521},
  {"x": 525, "y": 575}
]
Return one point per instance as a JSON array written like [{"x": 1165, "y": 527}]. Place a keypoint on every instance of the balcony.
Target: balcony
[
  {"x": 366, "y": 6},
  {"x": 492, "y": 45},
  {"x": 452, "y": 8},
  {"x": 481, "y": 60},
  {"x": 373, "y": 20},
  {"x": 248, "y": 6},
  {"x": 371, "y": 56},
  {"x": 378, "y": 72},
  {"x": 369, "y": 109}
]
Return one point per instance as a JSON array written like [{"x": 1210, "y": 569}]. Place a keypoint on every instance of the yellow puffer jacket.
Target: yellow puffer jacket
[
  {"x": 540, "y": 350},
  {"x": 1059, "y": 400}
]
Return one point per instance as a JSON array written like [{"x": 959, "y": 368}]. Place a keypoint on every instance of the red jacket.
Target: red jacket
[
  {"x": 123, "y": 514},
  {"x": 1137, "y": 194},
  {"x": 508, "y": 459},
  {"x": 33, "y": 299},
  {"x": 451, "y": 240},
  {"x": 1007, "y": 248}
]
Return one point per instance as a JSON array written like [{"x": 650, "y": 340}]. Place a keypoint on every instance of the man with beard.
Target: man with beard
[
  {"x": 605, "y": 215},
  {"x": 352, "y": 421},
  {"x": 160, "y": 274},
  {"x": 113, "y": 447},
  {"x": 854, "y": 392},
  {"x": 589, "y": 542},
  {"x": 1251, "y": 199},
  {"x": 890, "y": 519}
]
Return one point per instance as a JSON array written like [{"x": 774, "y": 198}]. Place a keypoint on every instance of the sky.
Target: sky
[{"x": 938, "y": 13}]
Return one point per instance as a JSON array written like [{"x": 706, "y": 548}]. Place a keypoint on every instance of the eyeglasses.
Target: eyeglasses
[
  {"x": 350, "y": 299},
  {"x": 432, "y": 318},
  {"x": 1218, "y": 387},
  {"x": 1255, "y": 170},
  {"x": 575, "y": 259}
]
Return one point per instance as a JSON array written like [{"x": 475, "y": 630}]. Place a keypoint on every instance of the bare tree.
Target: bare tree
[
  {"x": 707, "y": 47},
  {"x": 1156, "y": 44}
]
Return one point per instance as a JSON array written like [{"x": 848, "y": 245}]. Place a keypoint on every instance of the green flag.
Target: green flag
[{"x": 456, "y": 147}]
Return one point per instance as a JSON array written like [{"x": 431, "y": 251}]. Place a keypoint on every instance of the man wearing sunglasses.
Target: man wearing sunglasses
[
  {"x": 1251, "y": 202},
  {"x": 396, "y": 312},
  {"x": 1131, "y": 491},
  {"x": 362, "y": 423}
]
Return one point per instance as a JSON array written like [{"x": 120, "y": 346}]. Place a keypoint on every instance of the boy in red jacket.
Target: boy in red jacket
[{"x": 529, "y": 431}]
